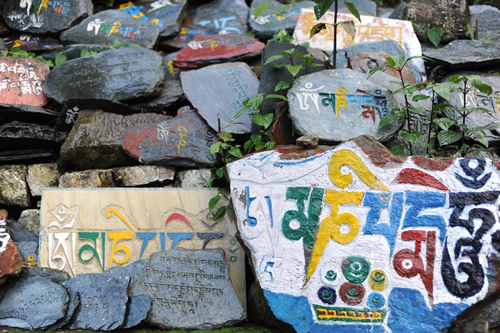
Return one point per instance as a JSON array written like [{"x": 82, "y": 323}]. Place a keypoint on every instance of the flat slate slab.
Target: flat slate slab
[
  {"x": 463, "y": 53},
  {"x": 182, "y": 141},
  {"x": 190, "y": 289},
  {"x": 31, "y": 43},
  {"x": 22, "y": 81},
  {"x": 220, "y": 19},
  {"x": 171, "y": 95},
  {"x": 35, "y": 303},
  {"x": 218, "y": 92},
  {"x": 341, "y": 104},
  {"x": 355, "y": 239},
  {"x": 488, "y": 19},
  {"x": 16, "y": 134},
  {"x": 186, "y": 35},
  {"x": 205, "y": 50},
  {"x": 109, "y": 25},
  {"x": 74, "y": 51},
  {"x": 238, "y": 7},
  {"x": 41, "y": 17},
  {"x": 120, "y": 74}
]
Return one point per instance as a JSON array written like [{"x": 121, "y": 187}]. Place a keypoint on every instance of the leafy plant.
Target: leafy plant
[
  {"x": 435, "y": 35},
  {"x": 17, "y": 52}
]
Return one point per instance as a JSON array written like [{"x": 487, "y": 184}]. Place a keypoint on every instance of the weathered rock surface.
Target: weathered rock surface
[
  {"x": 221, "y": 20},
  {"x": 143, "y": 175},
  {"x": 33, "y": 114},
  {"x": 238, "y": 7},
  {"x": 97, "y": 134},
  {"x": 87, "y": 179},
  {"x": 309, "y": 140},
  {"x": 339, "y": 105},
  {"x": 172, "y": 94},
  {"x": 16, "y": 134},
  {"x": 44, "y": 17},
  {"x": 466, "y": 54},
  {"x": 30, "y": 219},
  {"x": 218, "y": 92},
  {"x": 74, "y": 51},
  {"x": 120, "y": 74},
  {"x": 13, "y": 187},
  {"x": 363, "y": 6},
  {"x": 488, "y": 19},
  {"x": 42, "y": 176},
  {"x": 183, "y": 141},
  {"x": 195, "y": 178},
  {"x": 187, "y": 34},
  {"x": 138, "y": 309},
  {"x": 10, "y": 258}
]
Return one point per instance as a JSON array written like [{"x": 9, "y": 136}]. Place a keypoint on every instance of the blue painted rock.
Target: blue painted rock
[
  {"x": 31, "y": 43},
  {"x": 238, "y": 7},
  {"x": 40, "y": 17},
  {"x": 220, "y": 19},
  {"x": 110, "y": 25},
  {"x": 341, "y": 104},
  {"x": 355, "y": 239}
]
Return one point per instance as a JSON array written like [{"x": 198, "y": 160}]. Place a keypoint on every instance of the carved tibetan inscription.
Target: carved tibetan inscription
[
  {"x": 89, "y": 231},
  {"x": 362, "y": 247}
]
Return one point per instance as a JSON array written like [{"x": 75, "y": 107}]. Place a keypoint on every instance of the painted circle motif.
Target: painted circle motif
[
  {"x": 351, "y": 294},
  {"x": 331, "y": 275},
  {"x": 327, "y": 295},
  {"x": 378, "y": 280},
  {"x": 355, "y": 269},
  {"x": 376, "y": 300}
]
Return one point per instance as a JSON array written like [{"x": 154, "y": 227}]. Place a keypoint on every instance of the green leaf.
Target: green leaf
[
  {"x": 263, "y": 120},
  {"x": 349, "y": 27},
  {"x": 443, "y": 90},
  {"x": 444, "y": 123},
  {"x": 215, "y": 148},
  {"x": 471, "y": 31},
  {"x": 210, "y": 182},
  {"x": 478, "y": 83},
  {"x": 435, "y": 35},
  {"x": 486, "y": 40},
  {"x": 483, "y": 140},
  {"x": 241, "y": 111},
  {"x": 322, "y": 7},
  {"x": 213, "y": 202},
  {"x": 116, "y": 44},
  {"x": 289, "y": 51},
  {"x": 448, "y": 137},
  {"x": 249, "y": 34},
  {"x": 220, "y": 212},
  {"x": 397, "y": 61},
  {"x": 260, "y": 9},
  {"x": 293, "y": 69},
  {"x": 387, "y": 120},
  {"x": 398, "y": 150},
  {"x": 316, "y": 29},
  {"x": 277, "y": 96},
  {"x": 376, "y": 69},
  {"x": 247, "y": 145},
  {"x": 274, "y": 58},
  {"x": 220, "y": 172},
  {"x": 255, "y": 101},
  {"x": 236, "y": 152},
  {"x": 270, "y": 144},
  {"x": 60, "y": 59},
  {"x": 417, "y": 98},
  {"x": 411, "y": 137},
  {"x": 281, "y": 86},
  {"x": 353, "y": 10}
]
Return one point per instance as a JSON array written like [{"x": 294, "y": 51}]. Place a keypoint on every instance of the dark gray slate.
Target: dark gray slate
[
  {"x": 121, "y": 74},
  {"x": 339, "y": 105},
  {"x": 166, "y": 14},
  {"x": 75, "y": 50},
  {"x": 17, "y": 134},
  {"x": 31, "y": 43},
  {"x": 33, "y": 114},
  {"x": 172, "y": 94},
  {"x": 138, "y": 309},
  {"x": 238, "y": 7},
  {"x": 172, "y": 72},
  {"x": 190, "y": 289},
  {"x": 19, "y": 233},
  {"x": 222, "y": 20},
  {"x": 39, "y": 19},
  {"x": 268, "y": 23},
  {"x": 182, "y": 141},
  {"x": 103, "y": 301},
  {"x": 218, "y": 92},
  {"x": 363, "y": 6},
  {"x": 366, "y": 56},
  {"x": 187, "y": 34},
  {"x": 29, "y": 252},
  {"x": 488, "y": 19},
  {"x": 133, "y": 271},
  {"x": 110, "y": 25},
  {"x": 73, "y": 304},
  {"x": 95, "y": 140},
  {"x": 34, "y": 303},
  {"x": 466, "y": 53}
]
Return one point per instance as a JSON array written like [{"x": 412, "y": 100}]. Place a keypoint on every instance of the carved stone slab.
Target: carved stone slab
[
  {"x": 94, "y": 230},
  {"x": 22, "y": 80},
  {"x": 354, "y": 239}
]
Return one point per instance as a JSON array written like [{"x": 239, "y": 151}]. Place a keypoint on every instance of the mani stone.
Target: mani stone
[
  {"x": 238, "y": 7},
  {"x": 276, "y": 16},
  {"x": 22, "y": 80},
  {"x": 11, "y": 260},
  {"x": 172, "y": 72},
  {"x": 171, "y": 95},
  {"x": 464, "y": 53},
  {"x": 142, "y": 175},
  {"x": 488, "y": 19},
  {"x": 42, "y": 176},
  {"x": 13, "y": 186},
  {"x": 182, "y": 141},
  {"x": 31, "y": 43},
  {"x": 339, "y": 105},
  {"x": 96, "y": 138},
  {"x": 103, "y": 301},
  {"x": 122, "y": 74},
  {"x": 186, "y": 35},
  {"x": 34, "y": 303},
  {"x": 221, "y": 20},
  {"x": 110, "y": 25},
  {"x": 450, "y": 15},
  {"x": 45, "y": 16},
  {"x": 166, "y": 14},
  {"x": 138, "y": 309},
  {"x": 218, "y": 92},
  {"x": 206, "y": 50},
  {"x": 87, "y": 179},
  {"x": 190, "y": 289}
]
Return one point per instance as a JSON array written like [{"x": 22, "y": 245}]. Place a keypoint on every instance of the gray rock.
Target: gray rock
[
  {"x": 103, "y": 301},
  {"x": 75, "y": 51},
  {"x": 99, "y": 134},
  {"x": 120, "y": 74},
  {"x": 466, "y": 53},
  {"x": 143, "y": 175},
  {"x": 42, "y": 176},
  {"x": 17, "y": 134},
  {"x": 138, "y": 309},
  {"x": 87, "y": 179},
  {"x": 194, "y": 178},
  {"x": 339, "y": 105},
  {"x": 29, "y": 252},
  {"x": 491, "y": 314},
  {"x": 218, "y": 91},
  {"x": 363, "y": 6},
  {"x": 190, "y": 289},
  {"x": 13, "y": 186},
  {"x": 19, "y": 233},
  {"x": 48, "y": 18},
  {"x": 171, "y": 95},
  {"x": 132, "y": 270},
  {"x": 471, "y": 326},
  {"x": 172, "y": 72},
  {"x": 53, "y": 275},
  {"x": 238, "y": 7},
  {"x": 110, "y": 25},
  {"x": 220, "y": 19},
  {"x": 488, "y": 19},
  {"x": 34, "y": 303},
  {"x": 30, "y": 219},
  {"x": 309, "y": 140}
]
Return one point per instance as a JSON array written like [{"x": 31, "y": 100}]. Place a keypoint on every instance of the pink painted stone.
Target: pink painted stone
[
  {"x": 11, "y": 260},
  {"x": 216, "y": 48},
  {"x": 22, "y": 81}
]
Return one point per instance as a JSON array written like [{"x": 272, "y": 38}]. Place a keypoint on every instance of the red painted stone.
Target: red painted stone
[
  {"x": 417, "y": 177},
  {"x": 281, "y": 130},
  {"x": 22, "y": 80},
  {"x": 376, "y": 151},
  {"x": 216, "y": 48},
  {"x": 433, "y": 164},
  {"x": 11, "y": 261}
]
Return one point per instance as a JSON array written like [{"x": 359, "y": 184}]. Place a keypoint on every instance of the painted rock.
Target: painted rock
[
  {"x": 220, "y": 19},
  {"x": 22, "y": 80},
  {"x": 467, "y": 54},
  {"x": 40, "y": 17},
  {"x": 167, "y": 15},
  {"x": 110, "y": 25},
  {"x": 217, "y": 48},
  {"x": 354, "y": 239},
  {"x": 341, "y": 104},
  {"x": 186, "y": 35},
  {"x": 120, "y": 74},
  {"x": 31, "y": 43},
  {"x": 218, "y": 92},
  {"x": 11, "y": 261},
  {"x": 184, "y": 141},
  {"x": 238, "y": 7},
  {"x": 172, "y": 72},
  {"x": 276, "y": 16}
]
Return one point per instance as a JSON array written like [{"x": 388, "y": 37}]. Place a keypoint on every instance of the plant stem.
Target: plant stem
[
  {"x": 407, "y": 110},
  {"x": 462, "y": 141},
  {"x": 430, "y": 123},
  {"x": 334, "y": 55}
]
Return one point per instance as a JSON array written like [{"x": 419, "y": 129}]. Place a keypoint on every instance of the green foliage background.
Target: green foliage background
[{"x": 394, "y": 3}]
